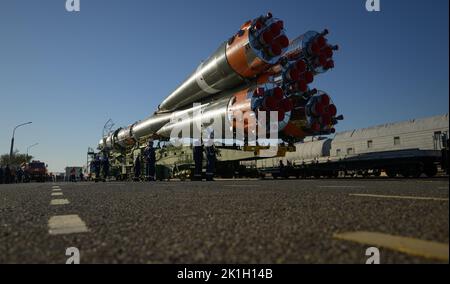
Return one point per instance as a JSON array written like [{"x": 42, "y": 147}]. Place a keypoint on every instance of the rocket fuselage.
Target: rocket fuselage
[{"x": 251, "y": 72}]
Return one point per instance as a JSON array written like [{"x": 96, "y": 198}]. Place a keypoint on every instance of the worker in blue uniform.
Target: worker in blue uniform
[
  {"x": 150, "y": 159},
  {"x": 210, "y": 151},
  {"x": 198, "y": 160},
  {"x": 105, "y": 167},
  {"x": 137, "y": 168}
]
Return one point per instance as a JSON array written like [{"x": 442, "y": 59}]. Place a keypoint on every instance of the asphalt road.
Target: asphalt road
[{"x": 251, "y": 221}]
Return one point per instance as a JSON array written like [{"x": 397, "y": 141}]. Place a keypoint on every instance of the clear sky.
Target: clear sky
[{"x": 70, "y": 72}]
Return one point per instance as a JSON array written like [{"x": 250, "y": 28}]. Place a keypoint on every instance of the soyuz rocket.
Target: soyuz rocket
[{"x": 257, "y": 69}]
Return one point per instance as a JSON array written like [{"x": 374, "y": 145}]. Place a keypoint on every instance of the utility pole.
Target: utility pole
[{"x": 12, "y": 140}]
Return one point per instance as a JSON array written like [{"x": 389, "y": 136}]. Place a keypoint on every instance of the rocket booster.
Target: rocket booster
[
  {"x": 257, "y": 70},
  {"x": 255, "y": 47}
]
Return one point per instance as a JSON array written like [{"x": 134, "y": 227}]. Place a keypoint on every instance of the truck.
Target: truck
[{"x": 35, "y": 171}]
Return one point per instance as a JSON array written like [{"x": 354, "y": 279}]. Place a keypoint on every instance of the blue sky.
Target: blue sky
[{"x": 70, "y": 72}]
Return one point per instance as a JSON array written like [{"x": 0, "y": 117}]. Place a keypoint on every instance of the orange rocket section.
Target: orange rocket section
[
  {"x": 237, "y": 55},
  {"x": 257, "y": 42},
  {"x": 241, "y": 105}
]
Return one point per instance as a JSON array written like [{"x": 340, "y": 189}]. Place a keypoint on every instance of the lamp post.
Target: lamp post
[
  {"x": 29, "y": 147},
  {"x": 12, "y": 140}
]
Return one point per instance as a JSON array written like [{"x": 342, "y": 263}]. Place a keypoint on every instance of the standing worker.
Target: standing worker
[
  {"x": 137, "y": 168},
  {"x": 198, "y": 160},
  {"x": 81, "y": 175},
  {"x": 19, "y": 172},
  {"x": 73, "y": 175},
  {"x": 1, "y": 175},
  {"x": 105, "y": 166},
  {"x": 7, "y": 174},
  {"x": 150, "y": 158},
  {"x": 97, "y": 168},
  {"x": 282, "y": 169},
  {"x": 210, "y": 157}
]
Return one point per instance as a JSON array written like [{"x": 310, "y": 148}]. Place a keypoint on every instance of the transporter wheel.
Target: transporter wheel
[
  {"x": 392, "y": 173},
  {"x": 415, "y": 172},
  {"x": 430, "y": 170},
  {"x": 405, "y": 173}
]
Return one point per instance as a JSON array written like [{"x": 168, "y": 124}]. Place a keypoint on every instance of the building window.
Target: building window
[
  {"x": 370, "y": 144},
  {"x": 338, "y": 152},
  {"x": 350, "y": 151},
  {"x": 396, "y": 141}
]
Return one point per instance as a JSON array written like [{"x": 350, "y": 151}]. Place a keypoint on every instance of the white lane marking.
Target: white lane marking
[
  {"x": 341, "y": 186},
  {"x": 56, "y": 189},
  {"x": 401, "y": 197},
  {"x": 59, "y": 202},
  {"x": 55, "y": 186},
  {"x": 57, "y": 194},
  {"x": 412, "y": 246},
  {"x": 66, "y": 224}
]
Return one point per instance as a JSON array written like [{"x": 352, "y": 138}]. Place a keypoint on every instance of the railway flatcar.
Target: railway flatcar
[{"x": 410, "y": 149}]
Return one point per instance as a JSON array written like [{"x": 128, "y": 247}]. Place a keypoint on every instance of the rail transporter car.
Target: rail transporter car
[{"x": 408, "y": 149}]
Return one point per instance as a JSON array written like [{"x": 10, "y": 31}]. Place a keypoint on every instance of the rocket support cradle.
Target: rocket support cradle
[{"x": 257, "y": 69}]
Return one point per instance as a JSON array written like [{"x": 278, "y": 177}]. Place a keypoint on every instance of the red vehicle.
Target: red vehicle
[{"x": 35, "y": 171}]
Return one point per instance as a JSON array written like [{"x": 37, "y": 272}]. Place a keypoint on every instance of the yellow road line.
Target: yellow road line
[
  {"x": 400, "y": 197},
  {"x": 416, "y": 247}
]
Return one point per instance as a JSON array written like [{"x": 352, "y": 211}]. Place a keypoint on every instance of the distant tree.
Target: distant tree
[{"x": 17, "y": 159}]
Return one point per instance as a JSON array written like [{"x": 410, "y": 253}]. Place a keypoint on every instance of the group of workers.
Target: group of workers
[
  {"x": 11, "y": 175},
  {"x": 210, "y": 152},
  {"x": 100, "y": 167},
  {"x": 5, "y": 175},
  {"x": 145, "y": 164},
  {"x": 150, "y": 162}
]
